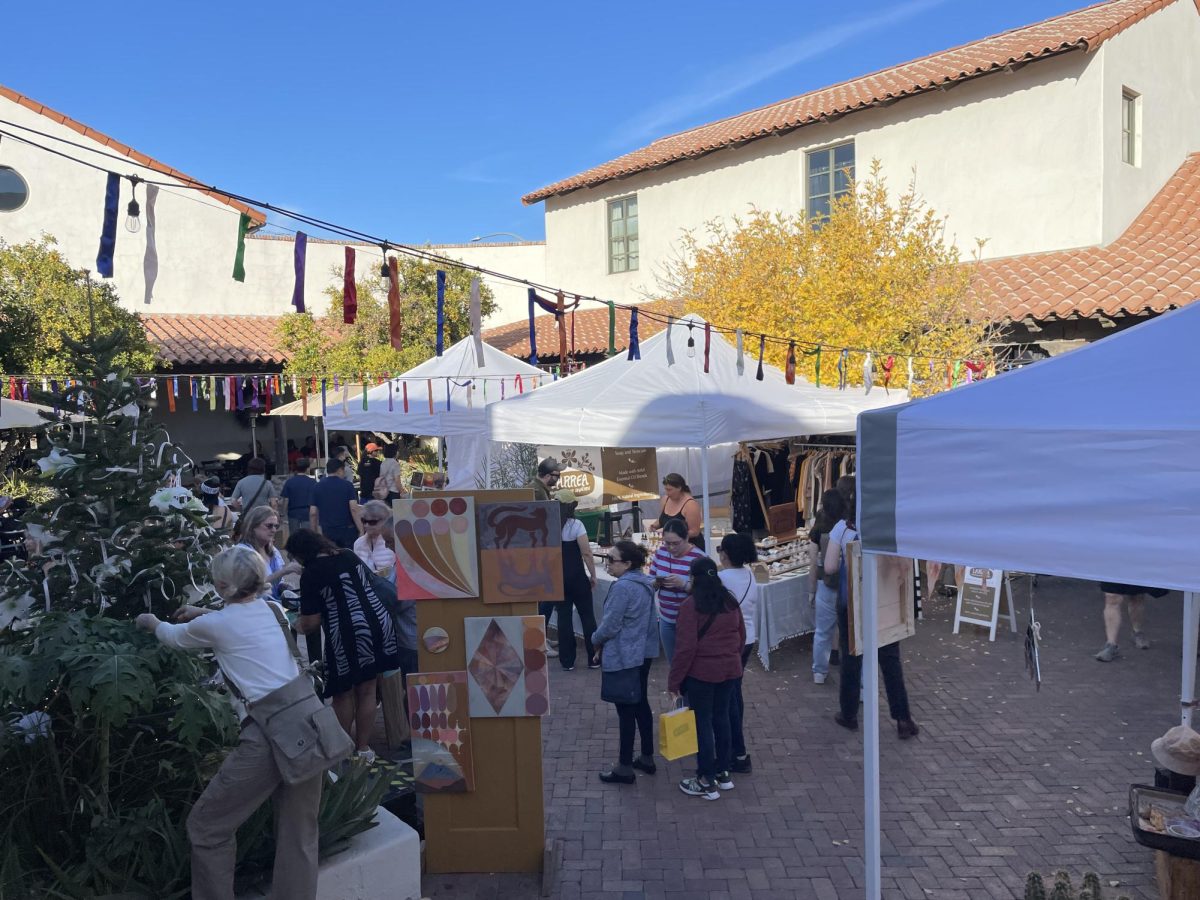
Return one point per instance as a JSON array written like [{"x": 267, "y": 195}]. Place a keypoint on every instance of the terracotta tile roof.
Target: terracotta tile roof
[
  {"x": 1154, "y": 266},
  {"x": 202, "y": 340},
  {"x": 1084, "y": 29},
  {"x": 116, "y": 146},
  {"x": 591, "y": 330}
]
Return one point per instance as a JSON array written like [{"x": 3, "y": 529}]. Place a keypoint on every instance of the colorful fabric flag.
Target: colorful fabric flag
[
  {"x": 762, "y": 349},
  {"x": 789, "y": 367},
  {"x": 349, "y": 289},
  {"x": 635, "y": 352},
  {"x": 299, "y": 254},
  {"x": 707, "y": 344},
  {"x": 561, "y": 315},
  {"x": 476, "y": 321},
  {"x": 533, "y": 357},
  {"x": 150, "y": 257},
  {"x": 239, "y": 258},
  {"x": 395, "y": 320},
  {"x": 670, "y": 346},
  {"x": 612, "y": 329},
  {"x": 108, "y": 231},
  {"x": 868, "y": 372},
  {"x": 441, "y": 313},
  {"x": 741, "y": 356}
]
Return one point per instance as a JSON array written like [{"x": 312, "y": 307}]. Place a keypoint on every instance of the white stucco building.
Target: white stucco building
[
  {"x": 195, "y": 232},
  {"x": 1047, "y": 138}
]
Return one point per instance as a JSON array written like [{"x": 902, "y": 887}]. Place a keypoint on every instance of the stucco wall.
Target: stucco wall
[
  {"x": 1013, "y": 158},
  {"x": 196, "y": 237},
  {"x": 1159, "y": 59}
]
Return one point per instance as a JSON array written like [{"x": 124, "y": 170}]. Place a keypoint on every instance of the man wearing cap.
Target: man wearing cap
[
  {"x": 368, "y": 470},
  {"x": 547, "y": 479}
]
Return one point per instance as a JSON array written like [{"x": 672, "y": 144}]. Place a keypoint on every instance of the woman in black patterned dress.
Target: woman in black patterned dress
[{"x": 360, "y": 641}]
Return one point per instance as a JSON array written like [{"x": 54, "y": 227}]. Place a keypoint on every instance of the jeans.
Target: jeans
[
  {"x": 636, "y": 717},
  {"x": 246, "y": 779},
  {"x": 666, "y": 630},
  {"x": 827, "y": 619},
  {"x": 850, "y": 683},
  {"x": 710, "y": 703},
  {"x": 737, "y": 709},
  {"x": 578, "y": 597}
]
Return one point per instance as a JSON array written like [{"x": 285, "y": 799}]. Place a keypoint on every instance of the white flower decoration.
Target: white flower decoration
[
  {"x": 58, "y": 460},
  {"x": 175, "y": 498},
  {"x": 32, "y": 726}
]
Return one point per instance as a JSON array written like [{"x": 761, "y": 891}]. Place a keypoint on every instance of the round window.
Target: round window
[{"x": 13, "y": 189}]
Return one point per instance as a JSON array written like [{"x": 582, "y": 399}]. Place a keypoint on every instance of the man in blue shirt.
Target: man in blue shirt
[
  {"x": 298, "y": 491},
  {"x": 334, "y": 509}
]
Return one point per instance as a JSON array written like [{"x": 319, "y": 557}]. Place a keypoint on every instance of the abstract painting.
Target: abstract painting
[
  {"x": 435, "y": 546},
  {"x": 506, "y": 662},
  {"x": 441, "y": 735},
  {"x": 520, "y": 545}
]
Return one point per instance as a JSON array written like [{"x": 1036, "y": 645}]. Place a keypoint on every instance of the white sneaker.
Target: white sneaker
[
  {"x": 365, "y": 756},
  {"x": 552, "y": 653},
  {"x": 819, "y": 677}
]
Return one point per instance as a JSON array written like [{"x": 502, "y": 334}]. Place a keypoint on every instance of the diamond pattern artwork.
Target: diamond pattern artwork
[
  {"x": 441, "y": 733},
  {"x": 506, "y": 665}
]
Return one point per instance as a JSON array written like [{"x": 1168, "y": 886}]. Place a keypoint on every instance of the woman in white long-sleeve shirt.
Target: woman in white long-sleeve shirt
[{"x": 254, "y": 653}]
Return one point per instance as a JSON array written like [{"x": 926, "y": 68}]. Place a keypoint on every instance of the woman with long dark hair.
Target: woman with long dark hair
[
  {"x": 709, "y": 637},
  {"x": 360, "y": 640},
  {"x": 736, "y": 552}
]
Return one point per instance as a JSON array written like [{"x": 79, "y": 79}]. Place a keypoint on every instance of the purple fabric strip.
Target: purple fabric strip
[
  {"x": 300, "y": 253},
  {"x": 108, "y": 234}
]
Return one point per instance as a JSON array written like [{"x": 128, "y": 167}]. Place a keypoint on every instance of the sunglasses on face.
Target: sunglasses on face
[{"x": 371, "y": 521}]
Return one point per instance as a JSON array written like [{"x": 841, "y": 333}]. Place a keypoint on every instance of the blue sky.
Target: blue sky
[{"x": 427, "y": 122}]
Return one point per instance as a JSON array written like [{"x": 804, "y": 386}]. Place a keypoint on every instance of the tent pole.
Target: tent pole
[
  {"x": 706, "y": 528},
  {"x": 325, "y": 430},
  {"x": 870, "y": 682},
  {"x": 487, "y": 461},
  {"x": 1191, "y": 625}
]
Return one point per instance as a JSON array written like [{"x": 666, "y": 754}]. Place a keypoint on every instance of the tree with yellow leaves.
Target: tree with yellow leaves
[{"x": 875, "y": 275}]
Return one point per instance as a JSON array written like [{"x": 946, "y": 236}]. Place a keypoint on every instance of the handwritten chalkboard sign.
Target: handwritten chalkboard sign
[{"x": 980, "y": 597}]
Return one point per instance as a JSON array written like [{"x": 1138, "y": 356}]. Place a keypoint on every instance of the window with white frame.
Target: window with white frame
[
  {"x": 1131, "y": 108},
  {"x": 623, "y": 235},
  {"x": 830, "y": 175}
]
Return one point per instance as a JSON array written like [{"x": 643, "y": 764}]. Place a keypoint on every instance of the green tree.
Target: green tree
[
  {"x": 326, "y": 346},
  {"x": 44, "y": 303},
  {"x": 877, "y": 274}
]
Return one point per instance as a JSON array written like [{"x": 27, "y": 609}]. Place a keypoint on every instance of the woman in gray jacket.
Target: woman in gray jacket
[{"x": 627, "y": 638}]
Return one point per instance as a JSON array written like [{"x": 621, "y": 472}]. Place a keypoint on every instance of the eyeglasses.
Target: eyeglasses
[
  {"x": 674, "y": 543},
  {"x": 371, "y": 521},
  {"x": 612, "y": 561}
]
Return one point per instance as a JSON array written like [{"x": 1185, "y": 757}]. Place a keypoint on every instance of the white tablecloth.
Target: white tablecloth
[{"x": 784, "y": 610}]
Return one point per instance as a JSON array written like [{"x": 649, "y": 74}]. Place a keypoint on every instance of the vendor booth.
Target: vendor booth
[
  {"x": 666, "y": 398},
  {"x": 444, "y": 396},
  {"x": 1085, "y": 465}
]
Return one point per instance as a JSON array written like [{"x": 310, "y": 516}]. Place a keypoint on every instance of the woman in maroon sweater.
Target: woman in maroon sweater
[{"x": 709, "y": 636}]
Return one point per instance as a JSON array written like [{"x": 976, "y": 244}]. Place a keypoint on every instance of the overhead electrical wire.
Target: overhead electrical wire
[{"x": 364, "y": 238}]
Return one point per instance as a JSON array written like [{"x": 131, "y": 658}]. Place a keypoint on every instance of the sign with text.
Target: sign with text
[
  {"x": 980, "y": 597},
  {"x": 602, "y": 476}
]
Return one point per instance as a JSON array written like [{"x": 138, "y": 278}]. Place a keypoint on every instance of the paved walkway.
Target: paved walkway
[{"x": 1003, "y": 780}]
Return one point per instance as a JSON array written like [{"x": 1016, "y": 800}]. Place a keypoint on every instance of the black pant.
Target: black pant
[
  {"x": 850, "y": 681},
  {"x": 633, "y": 717},
  {"x": 737, "y": 709},
  {"x": 579, "y": 596},
  {"x": 710, "y": 704}
]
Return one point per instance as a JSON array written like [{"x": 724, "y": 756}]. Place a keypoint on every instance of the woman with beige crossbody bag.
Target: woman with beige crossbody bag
[{"x": 289, "y": 737}]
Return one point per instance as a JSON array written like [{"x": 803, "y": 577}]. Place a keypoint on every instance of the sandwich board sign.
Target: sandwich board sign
[{"x": 979, "y": 599}]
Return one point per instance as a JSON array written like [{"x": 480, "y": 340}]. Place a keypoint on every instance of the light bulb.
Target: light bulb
[
  {"x": 691, "y": 346},
  {"x": 385, "y": 277},
  {"x": 133, "y": 221}
]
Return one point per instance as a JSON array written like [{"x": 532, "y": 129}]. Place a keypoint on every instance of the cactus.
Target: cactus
[
  {"x": 1090, "y": 889},
  {"x": 1035, "y": 888}
]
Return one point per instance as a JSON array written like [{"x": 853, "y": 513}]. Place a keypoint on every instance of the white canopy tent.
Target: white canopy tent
[
  {"x": 446, "y": 396},
  {"x": 1086, "y": 465},
  {"x": 666, "y": 399},
  {"x": 20, "y": 414}
]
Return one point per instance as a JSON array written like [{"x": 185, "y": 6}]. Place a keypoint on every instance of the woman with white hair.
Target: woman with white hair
[
  {"x": 371, "y": 546},
  {"x": 254, "y": 652}
]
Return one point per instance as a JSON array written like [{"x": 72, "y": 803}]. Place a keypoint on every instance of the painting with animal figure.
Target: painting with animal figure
[{"x": 520, "y": 558}]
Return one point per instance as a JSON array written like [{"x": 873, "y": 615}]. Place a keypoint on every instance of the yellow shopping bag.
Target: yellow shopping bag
[{"x": 677, "y": 733}]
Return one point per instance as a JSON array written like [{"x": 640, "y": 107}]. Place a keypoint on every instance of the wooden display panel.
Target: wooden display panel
[
  {"x": 895, "y": 587},
  {"x": 500, "y": 826}
]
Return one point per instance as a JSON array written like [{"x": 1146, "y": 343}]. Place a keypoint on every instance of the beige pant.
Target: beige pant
[{"x": 245, "y": 780}]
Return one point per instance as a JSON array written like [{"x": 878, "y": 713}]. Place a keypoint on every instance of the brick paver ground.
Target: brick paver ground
[{"x": 1002, "y": 780}]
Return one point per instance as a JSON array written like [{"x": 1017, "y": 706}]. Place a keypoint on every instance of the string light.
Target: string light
[
  {"x": 133, "y": 221},
  {"x": 691, "y": 344},
  {"x": 356, "y": 236}
]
